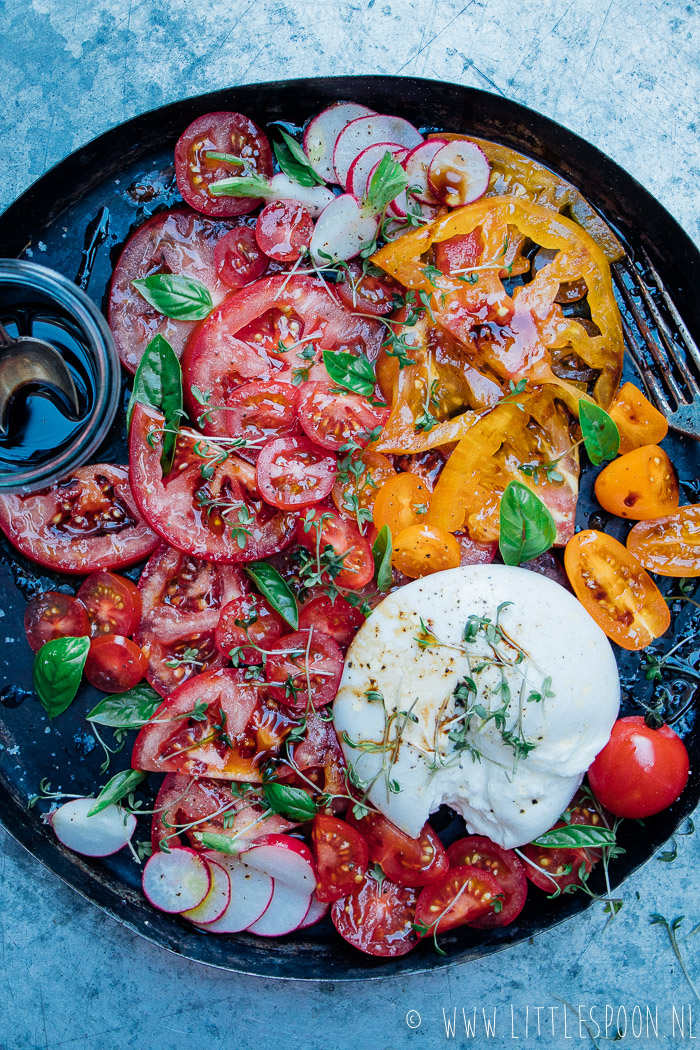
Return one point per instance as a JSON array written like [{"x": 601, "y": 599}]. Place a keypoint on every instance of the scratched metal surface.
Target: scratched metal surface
[{"x": 71, "y": 976}]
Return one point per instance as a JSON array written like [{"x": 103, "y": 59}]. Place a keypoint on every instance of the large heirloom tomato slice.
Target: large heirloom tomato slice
[
  {"x": 208, "y": 505},
  {"x": 669, "y": 546},
  {"x": 615, "y": 589},
  {"x": 87, "y": 521},
  {"x": 182, "y": 599},
  {"x": 180, "y": 242},
  {"x": 215, "y": 724}
]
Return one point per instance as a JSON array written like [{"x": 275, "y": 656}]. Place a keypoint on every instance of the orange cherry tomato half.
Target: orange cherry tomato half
[
  {"x": 638, "y": 422},
  {"x": 615, "y": 589},
  {"x": 669, "y": 546},
  {"x": 423, "y": 549},
  {"x": 639, "y": 485},
  {"x": 401, "y": 501}
]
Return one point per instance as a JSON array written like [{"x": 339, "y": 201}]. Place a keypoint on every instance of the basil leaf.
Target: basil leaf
[
  {"x": 576, "y": 836},
  {"x": 382, "y": 549},
  {"x": 353, "y": 373},
  {"x": 221, "y": 843},
  {"x": 600, "y": 434},
  {"x": 241, "y": 186},
  {"x": 290, "y": 802},
  {"x": 158, "y": 382},
  {"x": 273, "y": 587},
  {"x": 294, "y": 162},
  {"x": 129, "y": 710},
  {"x": 182, "y": 298},
  {"x": 526, "y": 526},
  {"x": 388, "y": 181},
  {"x": 57, "y": 672},
  {"x": 118, "y": 787}
]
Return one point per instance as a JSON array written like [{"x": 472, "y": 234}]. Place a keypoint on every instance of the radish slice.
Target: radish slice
[
  {"x": 459, "y": 173},
  {"x": 317, "y": 911},
  {"x": 216, "y": 901},
  {"x": 284, "y": 914},
  {"x": 416, "y": 167},
  {"x": 177, "y": 881},
  {"x": 97, "y": 836},
  {"x": 286, "y": 859},
  {"x": 314, "y": 198},
  {"x": 251, "y": 893},
  {"x": 321, "y": 134},
  {"x": 367, "y": 131},
  {"x": 365, "y": 163},
  {"x": 341, "y": 231}
]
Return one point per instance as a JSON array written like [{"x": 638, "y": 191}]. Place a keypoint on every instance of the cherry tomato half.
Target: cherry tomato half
[
  {"x": 463, "y": 895},
  {"x": 505, "y": 866},
  {"x": 346, "y": 542},
  {"x": 552, "y": 869},
  {"x": 615, "y": 590},
  {"x": 402, "y": 501},
  {"x": 256, "y": 412},
  {"x": 262, "y": 623},
  {"x": 638, "y": 422},
  {"x": 113, "y": 603},
  {"x": 52, "y": 615},
  {"x": 640, "y": 485},
  {"x": 238, "y": 259},
  {"x": 334, "y": 616},
  {"x": 378, "y": 918},
  {"x": 407, "y": 861},
  {"x": 423, "y": 549},
  {"x": 292, "y": 472},
  {"x": 366, "y": 293},
  {"x": 669, "y": 546},
  {"x": 332, "y": 417},
  {"x": 283, "y": 230},
  {"x": 304, "y": 668},
  {"x": 341, "y": 858},
  {"x": 114, "y": 663},
  {"x": 357, "y": 485},
  {"x": 640, "y": 771}
]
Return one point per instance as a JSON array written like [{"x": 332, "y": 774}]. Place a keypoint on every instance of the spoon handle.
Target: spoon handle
[{"x": 5, "y": 337}]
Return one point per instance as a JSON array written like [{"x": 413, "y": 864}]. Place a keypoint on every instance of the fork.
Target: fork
[{"x": 672, "y": 385}]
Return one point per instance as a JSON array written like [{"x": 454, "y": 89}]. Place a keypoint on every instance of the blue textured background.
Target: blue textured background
[{"x": 626, "y": 75}]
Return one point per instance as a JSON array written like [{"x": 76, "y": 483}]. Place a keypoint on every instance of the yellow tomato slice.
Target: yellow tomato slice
[
  {"x": 638, "y": 422},
  {"x": 669, "y": 546}
]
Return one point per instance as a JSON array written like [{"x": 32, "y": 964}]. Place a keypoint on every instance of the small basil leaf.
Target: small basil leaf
[
  {"x": 129, "y": 710},
  {"x": 57, "y": 672},
  {"x": 176, "y": 296},
  {"x": 526, "y": 526},
  {"x": 293, "y": 803},
  {"x": 353, "y": 373},
  {"x": 600, "y": 434},
  {"x": 388, "y": 181},
  {"x": 221, "y": 843},
  {"x": 294, "y": 162},
  {"x": 576, "y": 836},
  {"x": 273, "y": 587},
  {"x": 241, "y": 186},
  {"x": 382, "y": 549},
  {"x": 118, "y": 787},
  {"x": 158, "y": 382}
]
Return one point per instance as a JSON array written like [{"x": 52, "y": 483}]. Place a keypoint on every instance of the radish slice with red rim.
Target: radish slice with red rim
[
  {"x": 251, "y": 893},
  {"x": 365, "y": 164},
  {"x": 416, "y": 166},
  {"x": 322, "y": 132},
  {"x": 367, "y": 131},
  {"x": 285, "y": 913},
  {"x": 176, "y": 881},
  {"x": 286, "y": 859},
  {"x": 98, "y": 836},
  {"x": 459, "y": 173},
  {"x": 317, "y": 911},
  {"x": 341, "y": 231},
  {"x": 216, "y": 901},
  {"x": 314, "y": 198}
]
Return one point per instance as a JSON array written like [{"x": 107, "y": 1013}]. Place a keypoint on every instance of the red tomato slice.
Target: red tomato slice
[
  {"x": 473, "y": 553},
  {"x": 256, "y": 412},
  {"x": 332, "y": 417},
  {"x": 52, "y": 615},
  {"x": 341, "y": 858},
  {"x": 366, "y": 293},
  {"x": 237, "y": 258},
  {"x": 283, "y": 230},
  {"x": 293, "y": 472},
  {"x": 334, "y": 616},
  {"x": 303, "y": 661},
  {"x": 459, "y": 254},
  {"x": 479, "y": 852},
  {"x": 215, "y": 724},
  {"x": 221, "y": 518},
  {"x": 182, "y": 600},
  {"x": 320, "y": 751},
  {"x": 463, "y": 895},
  {"x": 264, "y": 625},
  {"x": 345, "y": 541},
  {"x": 114, "y": 663},
  {"x": 410, "y": 862},
  {"x": 229, "y": 133},
  {"x": 180, "y": 242},
  {"x": 377, "y": 919},
  {"x": 113, "y": 603},
  {"x": 87, "y": 521}
]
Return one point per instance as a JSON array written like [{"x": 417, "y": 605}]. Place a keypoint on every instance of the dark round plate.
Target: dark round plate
[{"x": 129, "y": 170}]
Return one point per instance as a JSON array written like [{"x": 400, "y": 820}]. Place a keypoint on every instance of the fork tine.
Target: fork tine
[
  {"x": 648, "y": 378},
  {"x": 691, "y": 345}
]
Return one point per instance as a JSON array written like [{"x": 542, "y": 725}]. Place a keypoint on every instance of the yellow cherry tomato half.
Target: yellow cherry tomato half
[
  {"x": 638, "y": 422},
  {"x": 639, "y": 485},
  {"x": 421, "y": 550},
  {"x": 615, "y": 589},
  {"x": 402, "y": 501},
  {"x": 669, "y": 546}
]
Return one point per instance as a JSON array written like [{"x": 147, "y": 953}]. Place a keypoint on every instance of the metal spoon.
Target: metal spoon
[{"x": 29, "y": 362}]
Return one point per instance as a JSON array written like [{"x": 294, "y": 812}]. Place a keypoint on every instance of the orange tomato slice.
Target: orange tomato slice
[
  {"x": 423, "y": 549},
  {"x": 615, "y": 589},
  {"x": 358, "y": 486},
  {"x": 640, "y": 485},
  {"x": 638, "y": 422},
  {"x": 402, "y": 501},
  {"x": 669, "y": 546}
]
